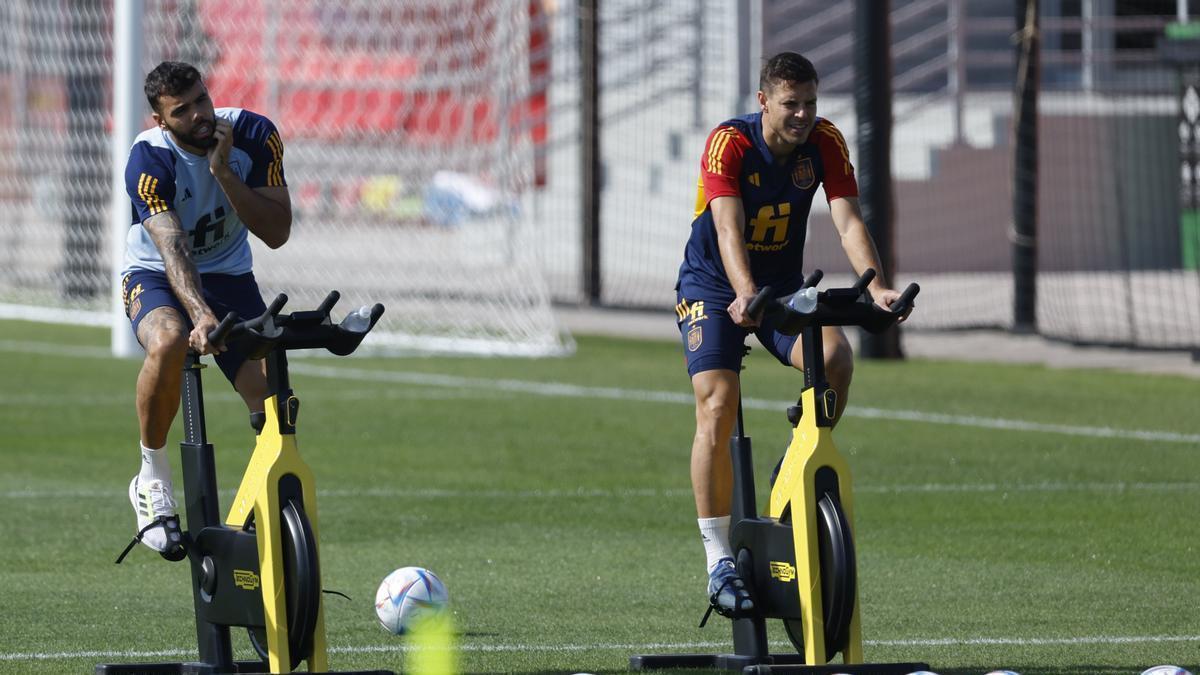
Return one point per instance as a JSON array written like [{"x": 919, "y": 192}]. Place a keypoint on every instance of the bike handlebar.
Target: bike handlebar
[
  {"x": 221, "y": 332},
  {"x": 836, "y": 306},
  {"x": 329, "y": 301},
  {"x": 303, "y": 329},
  {"x": 864, "y": 281},
  {"x": 231, "y": 328}
]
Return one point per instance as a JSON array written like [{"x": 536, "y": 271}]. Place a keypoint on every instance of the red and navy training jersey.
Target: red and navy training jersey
[{"x": 776, "y": 198}]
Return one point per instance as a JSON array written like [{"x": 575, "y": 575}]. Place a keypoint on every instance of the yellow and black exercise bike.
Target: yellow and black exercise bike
[
  {"x": 259, "y": 569},
  {"x": 797, "y": 559}
]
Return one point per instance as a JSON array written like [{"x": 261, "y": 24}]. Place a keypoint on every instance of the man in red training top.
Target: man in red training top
[{"x": 758, "y": 175}]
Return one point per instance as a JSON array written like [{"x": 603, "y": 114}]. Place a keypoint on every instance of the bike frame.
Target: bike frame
[
  {"x": 813, "y": 466},
  {"x": 275, "y": 474}
]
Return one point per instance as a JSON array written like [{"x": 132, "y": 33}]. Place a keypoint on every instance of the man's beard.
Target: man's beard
[{"x": 193, "y": 140}]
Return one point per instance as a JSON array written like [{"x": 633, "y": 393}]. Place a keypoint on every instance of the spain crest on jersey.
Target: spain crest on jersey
[
  {"x": 695, "y": 338},
  {"x": 803, "y": 176}
]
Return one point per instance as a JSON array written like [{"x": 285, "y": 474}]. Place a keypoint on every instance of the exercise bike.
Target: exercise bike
[
  {"x": 797, "y": 560},
  {"x": 259, "y": 569}
]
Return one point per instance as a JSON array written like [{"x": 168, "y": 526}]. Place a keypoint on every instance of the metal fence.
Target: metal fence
[
  {"x": 380, "y": 95},
  {"x": 1117, "y": 244}
]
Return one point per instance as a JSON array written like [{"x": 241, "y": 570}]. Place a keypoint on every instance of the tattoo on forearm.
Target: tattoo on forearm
[{"x": 172, "y": 243}]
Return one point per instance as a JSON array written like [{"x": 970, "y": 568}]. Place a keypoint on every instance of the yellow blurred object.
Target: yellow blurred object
[
  {"x": 388, "y": 195},
  {"x": 379, "y": 192},
  {"x": 431, "y": 645}
]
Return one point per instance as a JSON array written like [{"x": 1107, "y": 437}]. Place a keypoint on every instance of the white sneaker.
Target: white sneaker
[{"x": 150, "y": 500}]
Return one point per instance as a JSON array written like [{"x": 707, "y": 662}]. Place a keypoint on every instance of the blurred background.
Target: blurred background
[{"x": 478, "y": 165}]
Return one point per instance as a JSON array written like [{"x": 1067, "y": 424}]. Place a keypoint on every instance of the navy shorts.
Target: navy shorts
[
  {"x": 146, "y": 290},
  {"x": 712, "y": 341}
]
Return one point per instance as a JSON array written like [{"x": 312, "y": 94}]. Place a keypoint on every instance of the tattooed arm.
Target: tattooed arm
[{"x": 171, "y": 240}]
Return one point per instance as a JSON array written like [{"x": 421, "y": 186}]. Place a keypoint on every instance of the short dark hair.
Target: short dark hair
[
  {"x": 786, "y": 67},
  {"x": 169, "y": 78}
]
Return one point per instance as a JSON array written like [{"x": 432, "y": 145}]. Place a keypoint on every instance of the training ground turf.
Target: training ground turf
[{"x": 1044, "y": 521}]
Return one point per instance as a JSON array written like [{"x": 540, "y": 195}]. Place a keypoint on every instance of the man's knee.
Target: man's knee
[
  {"x": 716, "y": 406},
  {"x": 839, "y": 360},
  {"x": 715, "y": 409},
  {"x": 165, "y": 345},
  {"x": 251, "y": 382}
]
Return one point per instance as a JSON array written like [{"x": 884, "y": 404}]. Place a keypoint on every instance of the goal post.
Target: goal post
[{"x": 127, "y": 114}]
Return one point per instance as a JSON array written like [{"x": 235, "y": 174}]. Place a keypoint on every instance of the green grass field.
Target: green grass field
[{"x": 1014, "y": 517}]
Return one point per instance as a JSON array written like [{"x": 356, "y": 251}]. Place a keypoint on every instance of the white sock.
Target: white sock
[
  {"x": 155, "y": 465},
  {"x": 715, "y": 533}
]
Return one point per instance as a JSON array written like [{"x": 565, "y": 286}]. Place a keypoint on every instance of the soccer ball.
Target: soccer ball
[
  {"x": 406, "y": 595},
  {"x": 1165, "y": 670},
  {"x": 1004, "y": 672}
]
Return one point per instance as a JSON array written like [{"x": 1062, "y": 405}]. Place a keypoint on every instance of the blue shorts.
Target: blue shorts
[
  {"x": 712, "y": 341},
  {"x": 146, "y": 290}
]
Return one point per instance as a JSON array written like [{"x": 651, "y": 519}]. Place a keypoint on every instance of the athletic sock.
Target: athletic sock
[
  {"x": 715, "y": 533},
  {"x": 155, "y": 465}
]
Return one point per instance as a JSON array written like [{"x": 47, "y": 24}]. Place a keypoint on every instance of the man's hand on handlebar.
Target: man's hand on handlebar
[
  {"x": 198, "y": 338},
  {"x": 739, "y": 311},
  {"x": 888, "y": 297}
]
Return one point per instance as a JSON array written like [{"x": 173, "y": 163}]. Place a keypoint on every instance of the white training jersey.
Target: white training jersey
[{"x": 161, "y": 176}]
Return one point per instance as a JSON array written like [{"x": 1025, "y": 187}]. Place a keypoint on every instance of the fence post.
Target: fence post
[
  {"x": 1025, "y": 170},
  {"x": 873, "y": 102},
  {"x": 590, "y": 169}
]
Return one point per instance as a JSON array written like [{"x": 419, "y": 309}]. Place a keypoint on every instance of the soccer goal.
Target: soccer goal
[{"x": 410, "y": 130}]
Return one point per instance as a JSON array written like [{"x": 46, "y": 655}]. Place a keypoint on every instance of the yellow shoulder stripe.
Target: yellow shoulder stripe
[
  {"x": 826, "y": 128},
  {"x": 275, "y": 168},
  {"x": 148, "y": 192},
  {"x": 716, "y": 149}
]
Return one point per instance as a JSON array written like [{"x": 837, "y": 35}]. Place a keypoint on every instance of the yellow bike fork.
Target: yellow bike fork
[
  {"x": 275, "y": 457},
  {"x": 795, "y": 495}
]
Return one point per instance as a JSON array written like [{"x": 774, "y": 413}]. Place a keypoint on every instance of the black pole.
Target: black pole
[
  {"x": 749, "y": 633},
  {"x": 1025, "y": 170},
  {"x": 873, "y": 103},
  {"x": 589, "y": 155},
  {"x": 201, "y": 507}
]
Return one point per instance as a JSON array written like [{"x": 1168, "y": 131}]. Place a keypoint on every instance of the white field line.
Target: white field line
[
  {"x": 53, "y": 349},
  {"x": 1035, "y": 642},
  {"x": 559, "y": 389},
  {"x": 223, "y": 394},
  {"x": 657, "y": 493},
  {"x": 74, "y": 317},
  {"x": 645, "y": 647}
]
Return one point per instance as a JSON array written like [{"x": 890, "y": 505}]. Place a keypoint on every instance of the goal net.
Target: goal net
[{"x": 411, "y": 132}]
